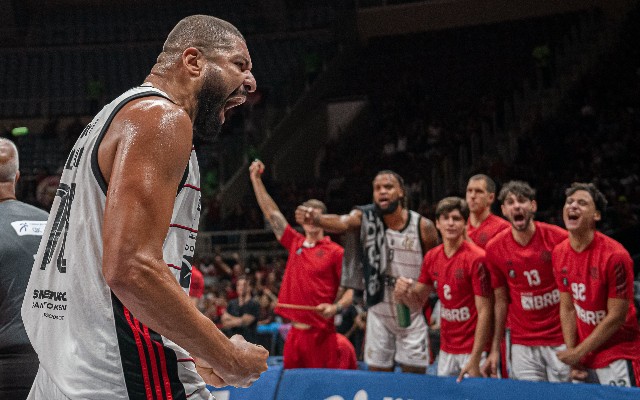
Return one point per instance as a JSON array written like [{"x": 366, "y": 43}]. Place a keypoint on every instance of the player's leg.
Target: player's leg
[
  {"x": 291, "y": 356},
  {"x": 412, "y": 345},
  {"x": 527, "y": 363},
  {"x": 557, "y": 371},
  {"x": 379, "y": 344}
]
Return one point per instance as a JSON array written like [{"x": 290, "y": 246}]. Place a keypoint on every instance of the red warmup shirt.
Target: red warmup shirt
[
  {"x": 527, "y": 274},
  {"x": 602, "y": 271},
  {"x": 487, "y": 229},
  {"x": 311, "y": 276},
  {"x": 457, "y": 281}
]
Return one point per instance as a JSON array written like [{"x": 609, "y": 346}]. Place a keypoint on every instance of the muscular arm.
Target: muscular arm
[
  {"x": 428, "y": 234},
  {"x": 143, "y": 159},
  {"x": 267, "y": 205},
  {"x": 329, "y": 222}
]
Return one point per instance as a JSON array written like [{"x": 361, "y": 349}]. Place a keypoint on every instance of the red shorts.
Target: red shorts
[{"x": 318, "y": 348}]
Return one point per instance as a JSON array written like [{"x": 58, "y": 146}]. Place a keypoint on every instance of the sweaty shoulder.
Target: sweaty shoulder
[{"x": 153, "y": 124}]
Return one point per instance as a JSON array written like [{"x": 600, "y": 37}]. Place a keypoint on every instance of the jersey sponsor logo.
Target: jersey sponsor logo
[
  {"x": 539, "y": 302},
  {"x": 49, "y": 295},
  {"x": 408, "y": 242},
  {"x": 456, "y": 314},
  {"x": 32, "y": 228},
  {"x": 589, "y": 317}
]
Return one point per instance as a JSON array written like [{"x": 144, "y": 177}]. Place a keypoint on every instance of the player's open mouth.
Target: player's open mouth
[
  {"x": 572, "y": 216},
  {"x": 518, "y": 217},
  {"x": 232, "y": 102}
]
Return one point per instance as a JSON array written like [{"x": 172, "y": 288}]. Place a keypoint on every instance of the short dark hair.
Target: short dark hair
[
  {"x": 200, "y": 31},
  {"x": 519, "y": 188},
  {"x": 400, "y": 181},
  {"x": 598, "y": 198},
  {"x": 449, "y": 204},
  {"x": 491, "y": 185},
  {"x": 314, "y": 203}
]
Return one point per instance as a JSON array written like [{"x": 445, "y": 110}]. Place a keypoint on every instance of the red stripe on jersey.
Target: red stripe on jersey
[
  {"x": 186, "y": 360},
  {"x": 186, "y": 228},
  {"x": 165, "y": 374},
  {"x": 175, "y": 267},
  {"x": 192, "y": 187},
  {"x": 152, "y": 358},
  {"x": 143, "y": 361}
]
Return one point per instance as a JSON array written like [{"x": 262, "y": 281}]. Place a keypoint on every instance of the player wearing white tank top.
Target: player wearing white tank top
[
  {"x": 107, "y": 307},
  {"x": 407, "y": 236}
]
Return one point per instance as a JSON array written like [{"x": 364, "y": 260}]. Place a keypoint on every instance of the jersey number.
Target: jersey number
[
  {"x": 447, "y": 292},
  {"x": 578, "y": 290},
  {"x": 59, "y": 228},
  {"x": 533, "y": 277}
]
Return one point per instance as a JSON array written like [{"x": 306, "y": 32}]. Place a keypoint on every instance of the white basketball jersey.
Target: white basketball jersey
[
  {"x": 404, "y": 258},
  {"x": 89, "y": 345}
]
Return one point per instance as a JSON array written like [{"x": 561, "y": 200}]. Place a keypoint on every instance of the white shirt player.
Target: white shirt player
[{"x": 89, "y": 345}]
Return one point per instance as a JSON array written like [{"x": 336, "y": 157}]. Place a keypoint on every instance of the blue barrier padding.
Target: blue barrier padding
[
  {"x": 364, "y": 385},
  {"x": 263, "y": 388}
]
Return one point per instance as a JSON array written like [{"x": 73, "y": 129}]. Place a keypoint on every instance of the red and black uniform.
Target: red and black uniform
[
  {"x": 457, "y": 279},
  {"x": 312, "y": 276},
  {"x": 602, "y": 271},
  {"x": 487, "y": 229}
]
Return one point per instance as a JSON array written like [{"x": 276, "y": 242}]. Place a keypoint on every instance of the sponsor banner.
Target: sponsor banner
[{"x": 322, "y": 384}]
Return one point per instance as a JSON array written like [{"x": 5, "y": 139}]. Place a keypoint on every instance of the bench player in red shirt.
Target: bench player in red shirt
[
  {"x": 595, "y": 277},
  {"x": 525, "y": 290},
  {"x": 311, "y": 279},
  {"x": 482, "y": 224},
  {"x": 457, "y": 271}
]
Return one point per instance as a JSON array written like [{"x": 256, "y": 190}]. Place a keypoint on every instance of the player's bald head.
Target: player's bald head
[
  {"x": 203, "y": 32},
  {"x": 9, "y": 162}
]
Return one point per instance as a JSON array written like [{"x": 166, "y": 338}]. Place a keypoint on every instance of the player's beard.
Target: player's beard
[
  {"x": 393, "y": 206},
  {"x": 211, "y": 101}
]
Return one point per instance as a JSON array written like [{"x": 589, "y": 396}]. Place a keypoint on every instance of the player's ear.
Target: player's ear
[
  {"x": 193, "y": 60},
  {"x": 534, "y": 206},
  {"x": 597, "y": 216}
]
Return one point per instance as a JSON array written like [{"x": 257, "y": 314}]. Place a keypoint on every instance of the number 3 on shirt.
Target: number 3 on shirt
[{"x": 533, "y": 277}]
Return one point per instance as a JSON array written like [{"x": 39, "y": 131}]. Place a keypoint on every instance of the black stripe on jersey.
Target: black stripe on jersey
[
  {"x": 177, "y": 389},
  {"x": 94, "y": 154},
  {"x": 632, "y": 375},
  {"x": 184, "y": 179}
]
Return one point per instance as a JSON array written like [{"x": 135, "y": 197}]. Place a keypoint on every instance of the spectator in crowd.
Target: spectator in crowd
[
  {"x": 482, "y": 224},
  {"x": 241, "y": 316},
  {"x": 525, "y": 290},
  {"x": 21, "y": 228},
  {"x": 595, "y": 276},
  {"x": 457, "y": 270},
  {"x": 315, "y": 260},
  {"x": 393, "y": 240}
]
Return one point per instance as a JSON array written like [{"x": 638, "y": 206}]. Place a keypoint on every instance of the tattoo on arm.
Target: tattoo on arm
[{"x": 278, "y": 223}]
